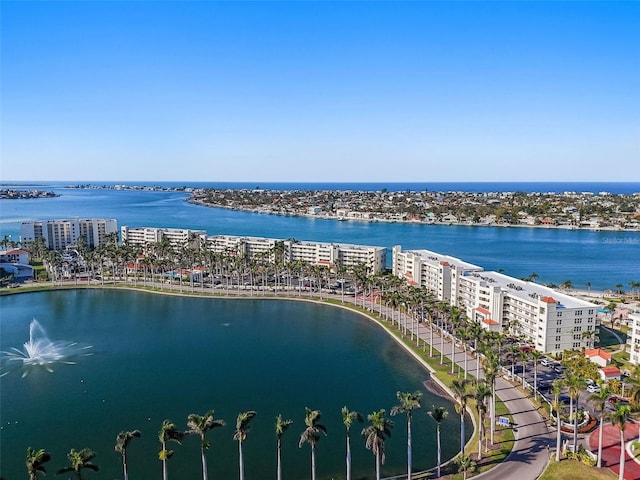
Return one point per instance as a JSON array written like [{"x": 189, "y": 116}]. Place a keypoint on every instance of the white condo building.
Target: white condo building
[
  {"x": 58, "y": 234},
  {"x": 143, "y": 236},
  {"x": 633, "y": 339},
  {"x": 314, "y": 253},
  {"x": 436, "y": 272},
  {"x": 549, "y": 320}
]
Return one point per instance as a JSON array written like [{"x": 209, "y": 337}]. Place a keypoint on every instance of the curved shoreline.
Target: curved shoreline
[
  {"x": 335, "y": 218},
  {"x": 244, "y": 296}
]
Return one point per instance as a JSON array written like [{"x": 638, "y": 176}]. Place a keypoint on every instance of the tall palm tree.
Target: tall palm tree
[
  {"x": 122, "y": 443},
  {"x": 599, "y": 400},
  {"x": 281, "y": 427},
  {"x": 242, "y": 427},
  {"x": 408, "y": 403},
  {"x": 438, "y": 414},
  {"x": 35, "y": 462},
  {"x": 311, "y": 435},
  {"x": 535, "y": 355},
  {"x": 374, "y": 436},
  {"x": 348, "y": 417},
  {"x": 200, "y": 425},
  {"x": 620, "y": 417},
  {"x": 556, "y": 388},
  {"x": 491, "y": 368},
  {"x": 576, "y": 384},
  {"x": 168, "y": 433},
  {"x": 481, "y": 395},
  {"x": 459, "y": 388},
  {"x": 78, "y": 461}
]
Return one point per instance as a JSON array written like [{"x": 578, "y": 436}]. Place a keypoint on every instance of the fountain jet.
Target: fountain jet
[{"x": 40, "y": 351}]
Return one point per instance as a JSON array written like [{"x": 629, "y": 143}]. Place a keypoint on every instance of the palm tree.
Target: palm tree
[
  {"x": 556, "y": 388},
  {"x": 408, "y": 402},
  {"x": 168, "y": 433},
  {"x": 348, "y": 417},
  {"x": 491, "y": 367},
  {"x": 438, "y": 414},
  {"x": 620, "y": 417},
  {"x": 200, "y": 425},
  {"x": 481, "y": 395},
  {"x": 576, "y": 384},
  {"x": 311, "y": 435},
  {"x": 79, "y": 460},
  {"x": 535, "y": 355},
  {"x": 459, "y": 388},
  {"x": 599, "y": 400},
  {"x": 465, "y": 464},
  {"x": 242, "y": 427},
  {"x": 374, "y": 436},
  {"x": 122, "y": 442},
  {"x": 35, "y": 461},
  {"x": 281, "y": 427}
]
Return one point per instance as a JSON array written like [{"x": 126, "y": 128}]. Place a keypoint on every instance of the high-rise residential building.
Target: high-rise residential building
[
  {"x": 58, "y": 234},
  {"x": 550, "y": 320}
]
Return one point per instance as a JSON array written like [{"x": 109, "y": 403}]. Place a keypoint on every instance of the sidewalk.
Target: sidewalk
[{"x": 534, "y": 442}]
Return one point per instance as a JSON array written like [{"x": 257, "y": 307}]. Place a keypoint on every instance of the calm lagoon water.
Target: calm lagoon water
[{"x": 158, "y": 357}]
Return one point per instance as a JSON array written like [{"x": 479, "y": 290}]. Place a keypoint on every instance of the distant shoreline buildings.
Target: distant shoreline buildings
[{"x": 568, "y": 210}]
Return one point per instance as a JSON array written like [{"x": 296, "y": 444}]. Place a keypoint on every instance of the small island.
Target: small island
[{"x": 11, "y": 194}]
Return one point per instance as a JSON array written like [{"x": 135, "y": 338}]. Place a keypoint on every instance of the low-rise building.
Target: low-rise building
[
  {"x": 144, "y": 236},
  {"x": 598, "y": 356}
]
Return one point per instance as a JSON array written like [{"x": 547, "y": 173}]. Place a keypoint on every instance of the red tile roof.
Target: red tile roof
[
  {"x": 483, "y": 311},
  {"x": 489, "y": 321},
  {"x": 548, "y": 300},
  {"x": 610, "y": 371},
  {"x": 597, "y": 352}
]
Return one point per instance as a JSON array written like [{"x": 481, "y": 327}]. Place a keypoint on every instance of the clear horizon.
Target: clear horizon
[{"x": 373, "y": 92}]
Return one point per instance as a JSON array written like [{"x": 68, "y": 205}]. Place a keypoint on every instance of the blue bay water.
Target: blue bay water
[{"x": 603, "y": 258}]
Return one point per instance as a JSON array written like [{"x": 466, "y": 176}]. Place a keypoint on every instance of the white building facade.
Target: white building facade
[
  {"x": 633, "y": 338},
  {"x": 58, "y": 234},
  {"x": 144, "y": 236},
  {"x": 550, "y": 320}
]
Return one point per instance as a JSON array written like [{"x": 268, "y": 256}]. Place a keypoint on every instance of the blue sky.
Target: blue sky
[{"x": 320, "y": 91}]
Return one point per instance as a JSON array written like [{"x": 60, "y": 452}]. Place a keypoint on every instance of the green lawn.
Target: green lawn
[{"x": 575, "y": 470}]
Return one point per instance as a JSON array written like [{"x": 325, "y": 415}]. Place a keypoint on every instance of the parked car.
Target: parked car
[
  {"x": 593, "y": 388},
  {"x": 614, "y": 400},
  {"x": 559, "y": 368},
  {"x": 546, "y": 361}
]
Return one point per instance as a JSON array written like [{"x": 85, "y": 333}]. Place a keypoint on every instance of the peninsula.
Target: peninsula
[{"x": 570, "y": 210}]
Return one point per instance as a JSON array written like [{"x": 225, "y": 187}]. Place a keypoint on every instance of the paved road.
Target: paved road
[{"x": 534, "y": 442}]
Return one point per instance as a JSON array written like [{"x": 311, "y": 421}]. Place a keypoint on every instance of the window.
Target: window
[
  {"x": 558, "y": 330},
  {"x": 558, "y": 314}
]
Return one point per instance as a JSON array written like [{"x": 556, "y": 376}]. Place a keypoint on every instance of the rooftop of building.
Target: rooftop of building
[
  {"x": 438, "y": 258},
  {"x": 530, "y": 290}
]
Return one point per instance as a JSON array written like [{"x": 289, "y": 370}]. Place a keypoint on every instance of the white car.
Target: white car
[{"x": 593, "y": 388}]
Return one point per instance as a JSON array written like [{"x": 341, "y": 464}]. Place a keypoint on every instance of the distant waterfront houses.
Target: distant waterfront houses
[
  {"x": 570, "y": 210},
  {"x": 550, "y": 320},
  {"x": 58, "y": 234}
]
